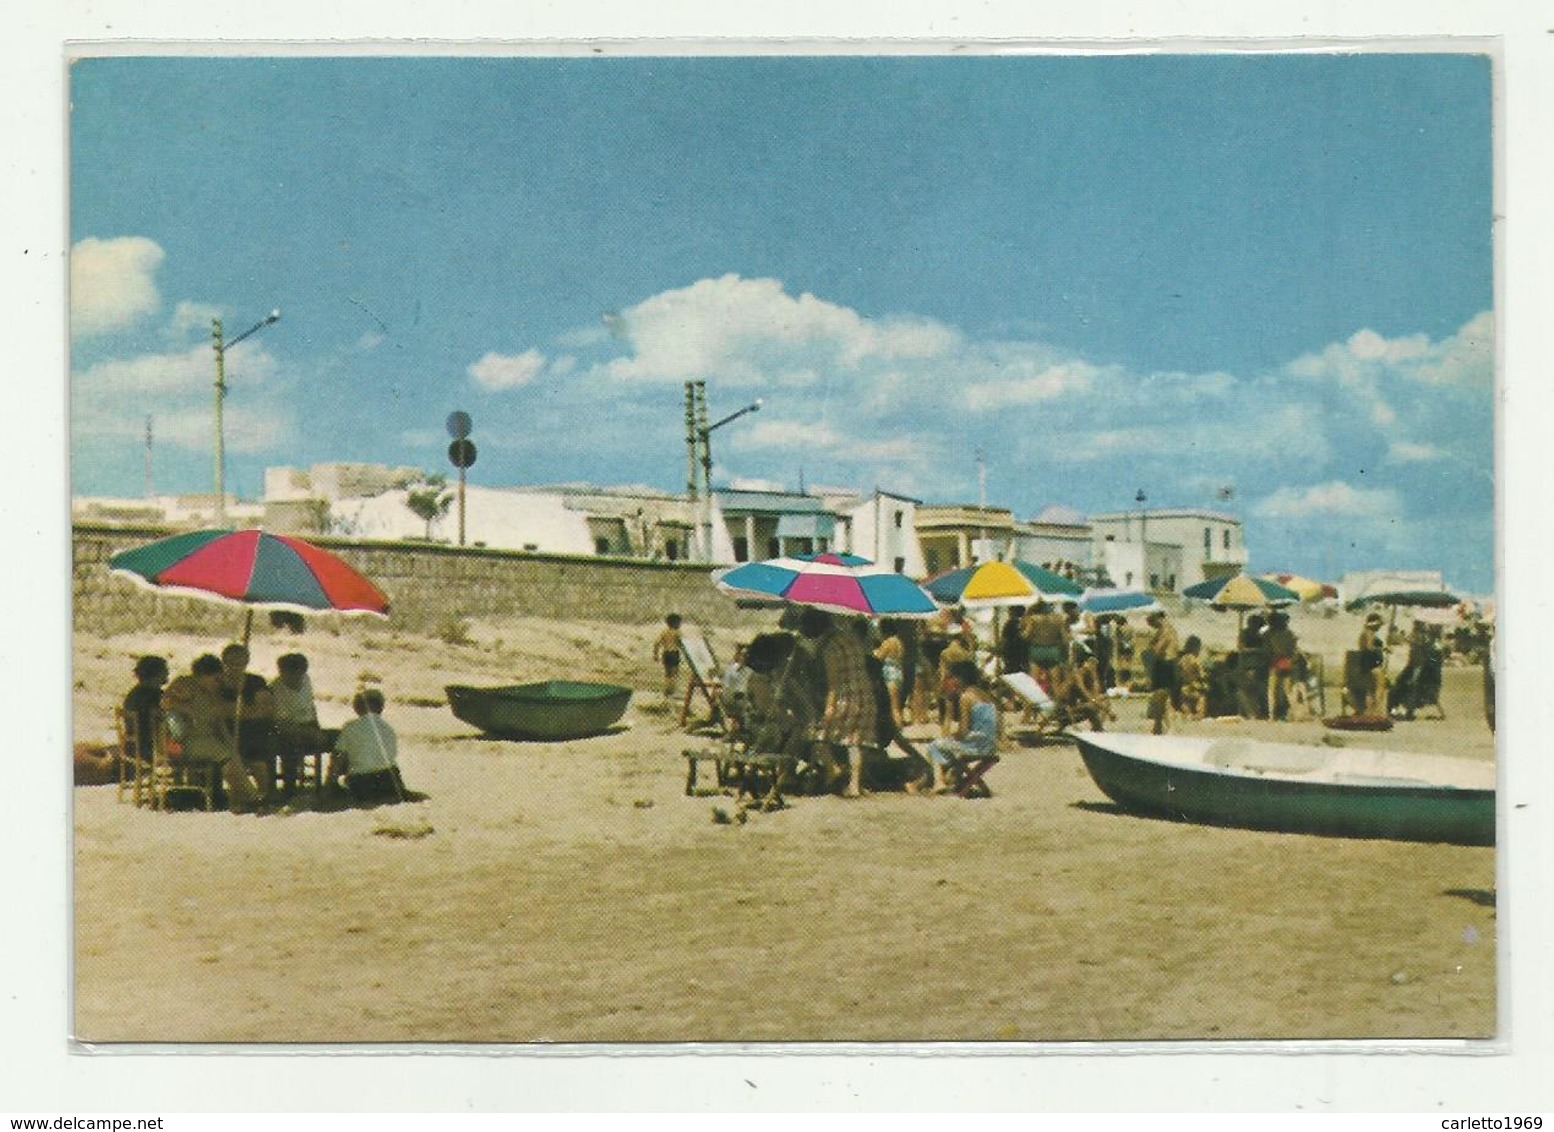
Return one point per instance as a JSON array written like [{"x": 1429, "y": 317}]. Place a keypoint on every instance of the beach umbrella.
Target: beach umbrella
[
  {"x": 1241, "y": 592},
  {"x": 1099, "y": 600},
  {"x": 1419, "y": 599},
  {"x": 840, "y": 583},
  {"x": 254, "y": 569},
  {"x": 999, "y": 583},
  {"x": 1307, "y": 589}
]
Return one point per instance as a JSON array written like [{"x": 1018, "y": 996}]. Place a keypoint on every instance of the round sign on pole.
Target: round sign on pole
[
  {"x": 461, "y": 453},
  {"x": 459, "y": 425}
]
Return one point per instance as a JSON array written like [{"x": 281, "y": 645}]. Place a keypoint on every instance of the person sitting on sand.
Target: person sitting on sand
[
  {"x": 976, "y": 733},
  {"x": 297, "y": 733},
  {"x": 200, "y": 719},
  {"x": 367, "y": 754},
  {"x": 666, "y": 650},
  {"x": 1084, "y": 694}
]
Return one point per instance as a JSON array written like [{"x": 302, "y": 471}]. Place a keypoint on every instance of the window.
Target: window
[
  {"x": 1227, "y": 538},
  {"x": 773, "y": 548},
  {"x": 601, "y": 546},
  {"x": 741, "y": 550},
  {"x": 1208, "y": 542},
  {"x": 898, "y": 518},
  {"x": 1154, "y": 581},
  {"x": 671, "y": 550},
  {"x": 901, "y": 565}
]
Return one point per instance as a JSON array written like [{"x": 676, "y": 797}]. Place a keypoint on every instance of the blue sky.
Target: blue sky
[{"x": 1272, "y": 273}]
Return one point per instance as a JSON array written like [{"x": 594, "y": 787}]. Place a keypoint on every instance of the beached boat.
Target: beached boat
[
  {"x": 1301, "y": 789},
  {"x": 553, "y": 709}
]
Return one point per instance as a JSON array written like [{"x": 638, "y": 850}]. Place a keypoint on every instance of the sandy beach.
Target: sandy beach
[{"x": 572, "y": 892}]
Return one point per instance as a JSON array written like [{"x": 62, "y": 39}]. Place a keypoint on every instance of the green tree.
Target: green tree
[{"x": 430, "y": 500}]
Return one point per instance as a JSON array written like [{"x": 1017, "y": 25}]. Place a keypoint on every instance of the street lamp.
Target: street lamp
[
  {"x": 1142, "y": 499},
  {"x": 221, "y": 347},
  {"x": 706, "y": 432}
]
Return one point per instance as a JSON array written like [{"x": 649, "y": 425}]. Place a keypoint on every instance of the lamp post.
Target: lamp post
[
  {"x": 1142, "y": 499},
  {"x": 221, "y": 347},
  {"x": 705, "y": 432}
]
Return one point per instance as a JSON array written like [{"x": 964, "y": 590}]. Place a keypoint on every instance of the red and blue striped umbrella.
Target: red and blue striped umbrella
[
  {"x": 252, "y": 568},
  {"x": 841, "y": 583}
]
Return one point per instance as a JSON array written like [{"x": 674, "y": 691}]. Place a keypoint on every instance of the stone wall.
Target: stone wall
[{"x": 430, "y": 587}]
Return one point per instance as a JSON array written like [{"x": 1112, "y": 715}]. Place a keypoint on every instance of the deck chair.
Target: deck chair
[
  {"x": 1417, "y": 687},
  {"x": 702, "y": 667},
  {"x": 1022, "y": 690}
]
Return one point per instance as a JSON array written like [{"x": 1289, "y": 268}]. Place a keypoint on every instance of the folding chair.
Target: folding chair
[
  {"x": 1047, "y": 718},
  {"x": 970, "y": 773},
  {"x": 704, "y": 678}
]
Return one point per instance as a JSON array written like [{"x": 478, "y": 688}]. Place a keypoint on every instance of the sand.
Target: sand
[{"x": 571, "y": 892}]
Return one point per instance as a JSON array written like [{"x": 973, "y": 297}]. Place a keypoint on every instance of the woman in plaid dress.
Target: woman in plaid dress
[{"x": 850, "y": 712}]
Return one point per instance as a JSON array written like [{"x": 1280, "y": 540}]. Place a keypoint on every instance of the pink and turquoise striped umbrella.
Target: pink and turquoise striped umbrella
[
  {"x": 841, "y": 583},
  {"x": 252, "y": 568}
]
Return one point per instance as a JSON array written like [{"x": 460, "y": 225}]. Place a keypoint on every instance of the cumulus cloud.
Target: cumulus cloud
[
  {"x": 1010, "y": 389},
  {"x": 185, "y": 372},
  {"x": 1332, "y": 499},
  {"x": 747, "y": 330},
  {"x": 499, "y": 371},
  {"x": 113, "y": 283},
  {"x": 191, "y": 317}
]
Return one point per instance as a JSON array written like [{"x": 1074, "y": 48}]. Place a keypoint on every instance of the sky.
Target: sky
[{"x": 1262, "y": 284}]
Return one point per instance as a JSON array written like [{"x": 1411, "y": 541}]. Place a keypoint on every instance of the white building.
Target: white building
[
  {"x": 504, "y": 519},
  {"x": 881, "y": 527},
  {"x": 1169, "y": 550}
]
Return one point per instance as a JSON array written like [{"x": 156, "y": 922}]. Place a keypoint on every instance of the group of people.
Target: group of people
[{"x": 259, "y": 732}]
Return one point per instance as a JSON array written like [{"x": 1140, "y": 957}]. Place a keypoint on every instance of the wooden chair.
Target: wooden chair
[
  {"x": 135, "y": 758},
  {"x": 172, "y": 774}
]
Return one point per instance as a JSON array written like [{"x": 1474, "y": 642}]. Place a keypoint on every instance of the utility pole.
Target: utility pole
[
  {"x": 981, "y": 504},
  {"x": 704, "y": 435},
  {"x": 221, "y": 347}
]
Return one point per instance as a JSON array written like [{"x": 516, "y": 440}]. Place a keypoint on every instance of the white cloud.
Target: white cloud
[
  {"x": 499, "y": 371},
  {"x": 1030, "y": 388},
  {"x": 1466, "y": 358},
  {"x": 1332, "y": 499},
  {"x": 189, "y": 317},
  {"x": 1408, "y": 452},
  {"x": 112, "y": 283},
  {"x": 745, "y": 331},
  {"x": 185, "y": 372}
]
